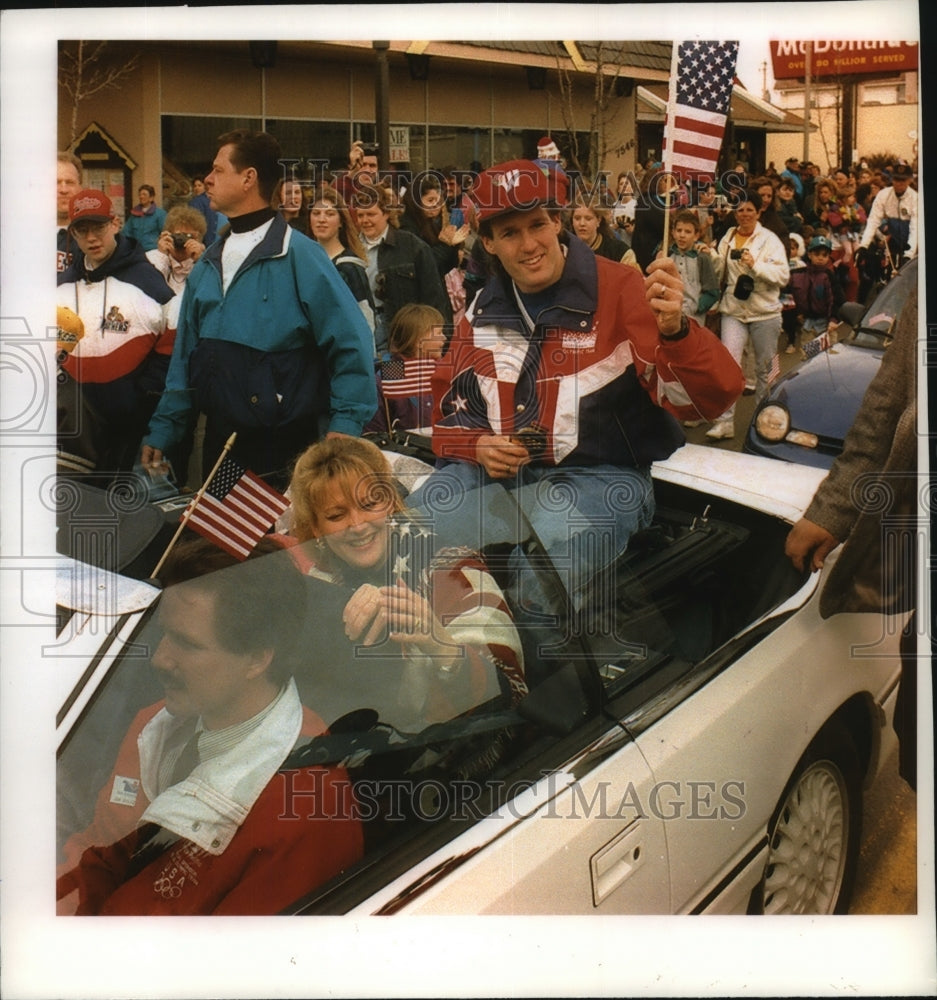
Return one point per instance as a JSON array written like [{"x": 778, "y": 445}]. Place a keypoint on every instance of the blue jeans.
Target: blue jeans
[
  {"x": 583, "y": 515},
  {"x": 815, "y": 326}
]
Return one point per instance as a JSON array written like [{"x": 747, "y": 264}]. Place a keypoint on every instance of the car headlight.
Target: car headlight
[{"x": 773, "y": 422}]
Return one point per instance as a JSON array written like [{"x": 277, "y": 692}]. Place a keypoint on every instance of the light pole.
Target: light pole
[
  {"x": 382, "y": 103},
  {"x": 808, "y": 52}
]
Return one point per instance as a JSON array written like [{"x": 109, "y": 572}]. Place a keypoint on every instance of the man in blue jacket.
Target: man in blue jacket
[{"x": 270, "y": 342}]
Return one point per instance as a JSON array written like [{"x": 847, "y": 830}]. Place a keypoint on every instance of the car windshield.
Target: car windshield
[
  {"x": 399, "y": 726},
  {"x": 874, "y": 329}
]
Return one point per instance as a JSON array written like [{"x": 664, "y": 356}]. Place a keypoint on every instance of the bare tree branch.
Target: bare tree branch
[
  {"x": 81, "y": 78},
  {"x": 567, "y": 87},
  {"x": 602, "y": 115}
]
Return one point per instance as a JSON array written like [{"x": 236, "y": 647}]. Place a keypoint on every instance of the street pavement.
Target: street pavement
[
  {"x": 743, "y": 410},
  {"x": 886, "y": 881}
]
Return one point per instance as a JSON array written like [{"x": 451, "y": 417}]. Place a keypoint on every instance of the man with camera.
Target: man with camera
[
  {"x": 362, "y": 169},
  {"x": 892, "y": 225}
]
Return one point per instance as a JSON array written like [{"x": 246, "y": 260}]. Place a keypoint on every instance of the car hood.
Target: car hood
[
  {"x": 746, "y": 479},
  {"x": 823, "y": 395},
  {"x": 91, "y": 590}
]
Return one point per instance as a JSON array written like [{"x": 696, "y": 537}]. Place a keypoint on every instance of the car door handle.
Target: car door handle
[{"x": 617, "y": 861}]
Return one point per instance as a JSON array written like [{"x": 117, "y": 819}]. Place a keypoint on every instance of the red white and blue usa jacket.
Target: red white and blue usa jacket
[{"x": 594, "y": 375}]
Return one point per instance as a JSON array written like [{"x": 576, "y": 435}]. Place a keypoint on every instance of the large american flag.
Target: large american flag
[
  {"x": 236, "y": 510},
  {"x": 402, "y": 378},
  {"x": 700, "y": 91}
]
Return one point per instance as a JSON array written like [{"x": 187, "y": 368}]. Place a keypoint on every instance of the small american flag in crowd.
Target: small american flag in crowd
[
  {"x": 774, "y": 372},
  {"x": 813, "y": 347},
  {"x": 402, "y": 378},
  {"x": 236, "y": 510},
  {"x": 701, "y": 88}
]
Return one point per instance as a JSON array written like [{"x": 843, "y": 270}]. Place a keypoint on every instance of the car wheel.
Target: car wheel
[{"x": 813, "y": 837}]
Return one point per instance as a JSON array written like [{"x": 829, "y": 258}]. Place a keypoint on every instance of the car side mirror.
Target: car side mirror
[{"x": 851, "y": 313}]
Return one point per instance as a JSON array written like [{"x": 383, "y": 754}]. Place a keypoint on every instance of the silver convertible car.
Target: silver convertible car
[{"x": 698, "y": 741}]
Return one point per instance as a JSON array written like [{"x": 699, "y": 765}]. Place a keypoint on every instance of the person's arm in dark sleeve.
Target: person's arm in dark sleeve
[
  {"x": 171, "y": 418},
  {"x": 342, "y": 334},
  {"x": 432, "y": 290},
  {"x": 870, "y": 439}
]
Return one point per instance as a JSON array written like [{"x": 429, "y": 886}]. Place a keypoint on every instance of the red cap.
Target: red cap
[
  {"x": 518, "y": 186},
  {"x": 95, "y": 206}
]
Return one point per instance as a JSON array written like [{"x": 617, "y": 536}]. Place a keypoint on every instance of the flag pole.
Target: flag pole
[
  {"x": 669, "y": 139},
  {"x": 390, "y": 426},
  {"x": 229, "y": 444},
  {"x": 665, "y": 246}
]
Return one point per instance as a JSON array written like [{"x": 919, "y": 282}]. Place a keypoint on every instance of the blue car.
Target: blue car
[{"x": 807, "y": 414}]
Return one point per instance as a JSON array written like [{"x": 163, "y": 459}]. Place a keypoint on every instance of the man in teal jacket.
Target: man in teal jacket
[{"x": 270, "y": 343}]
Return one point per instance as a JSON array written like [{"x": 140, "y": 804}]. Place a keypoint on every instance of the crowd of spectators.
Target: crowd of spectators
[
  {"x": 836, "y": 237},
  {"x": 395, "y": 245}
]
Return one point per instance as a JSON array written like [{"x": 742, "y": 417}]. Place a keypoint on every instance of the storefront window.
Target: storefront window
[
  {"x": 451, "y": 146},
  {"x": 190, "y": 142}
]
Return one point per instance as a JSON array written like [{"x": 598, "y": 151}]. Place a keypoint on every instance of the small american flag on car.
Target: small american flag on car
[
  {"x": 236, "y": 510},
  {"x": 813, "y": 347},
  {"x": 402, "y": 378},
  {"x": 774, "y": 372}
]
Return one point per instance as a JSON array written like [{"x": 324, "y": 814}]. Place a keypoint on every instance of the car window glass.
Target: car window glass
[
  {"x": 419, "y": 746},
  {"x": 876, "y": 325},
  {"x": 400, "y": 728},
  {"x": 688, "y": 586}
]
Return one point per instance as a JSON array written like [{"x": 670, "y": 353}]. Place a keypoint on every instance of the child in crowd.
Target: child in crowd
[
  {"x": 788, "y": 211},
  {"x": 623, "y": 209},
  {"x": 815, "y": 290},
  {"x": 790, "y": 320},
  {"x": 693, "y": 260},
  {"x": 415, "y": 340}
]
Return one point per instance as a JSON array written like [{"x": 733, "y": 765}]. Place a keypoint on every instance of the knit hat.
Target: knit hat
[
  {"x": 547, "y": 149},
  {"x": 518, "y": 186},
  {"x": 95, "y": 206},
  {"x": 798, "y": 240}
]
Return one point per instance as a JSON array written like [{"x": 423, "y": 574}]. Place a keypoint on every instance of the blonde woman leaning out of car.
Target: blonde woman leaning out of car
[
  {"x": 428, "y": 626},
  {"x": 752, "y": 265}
]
